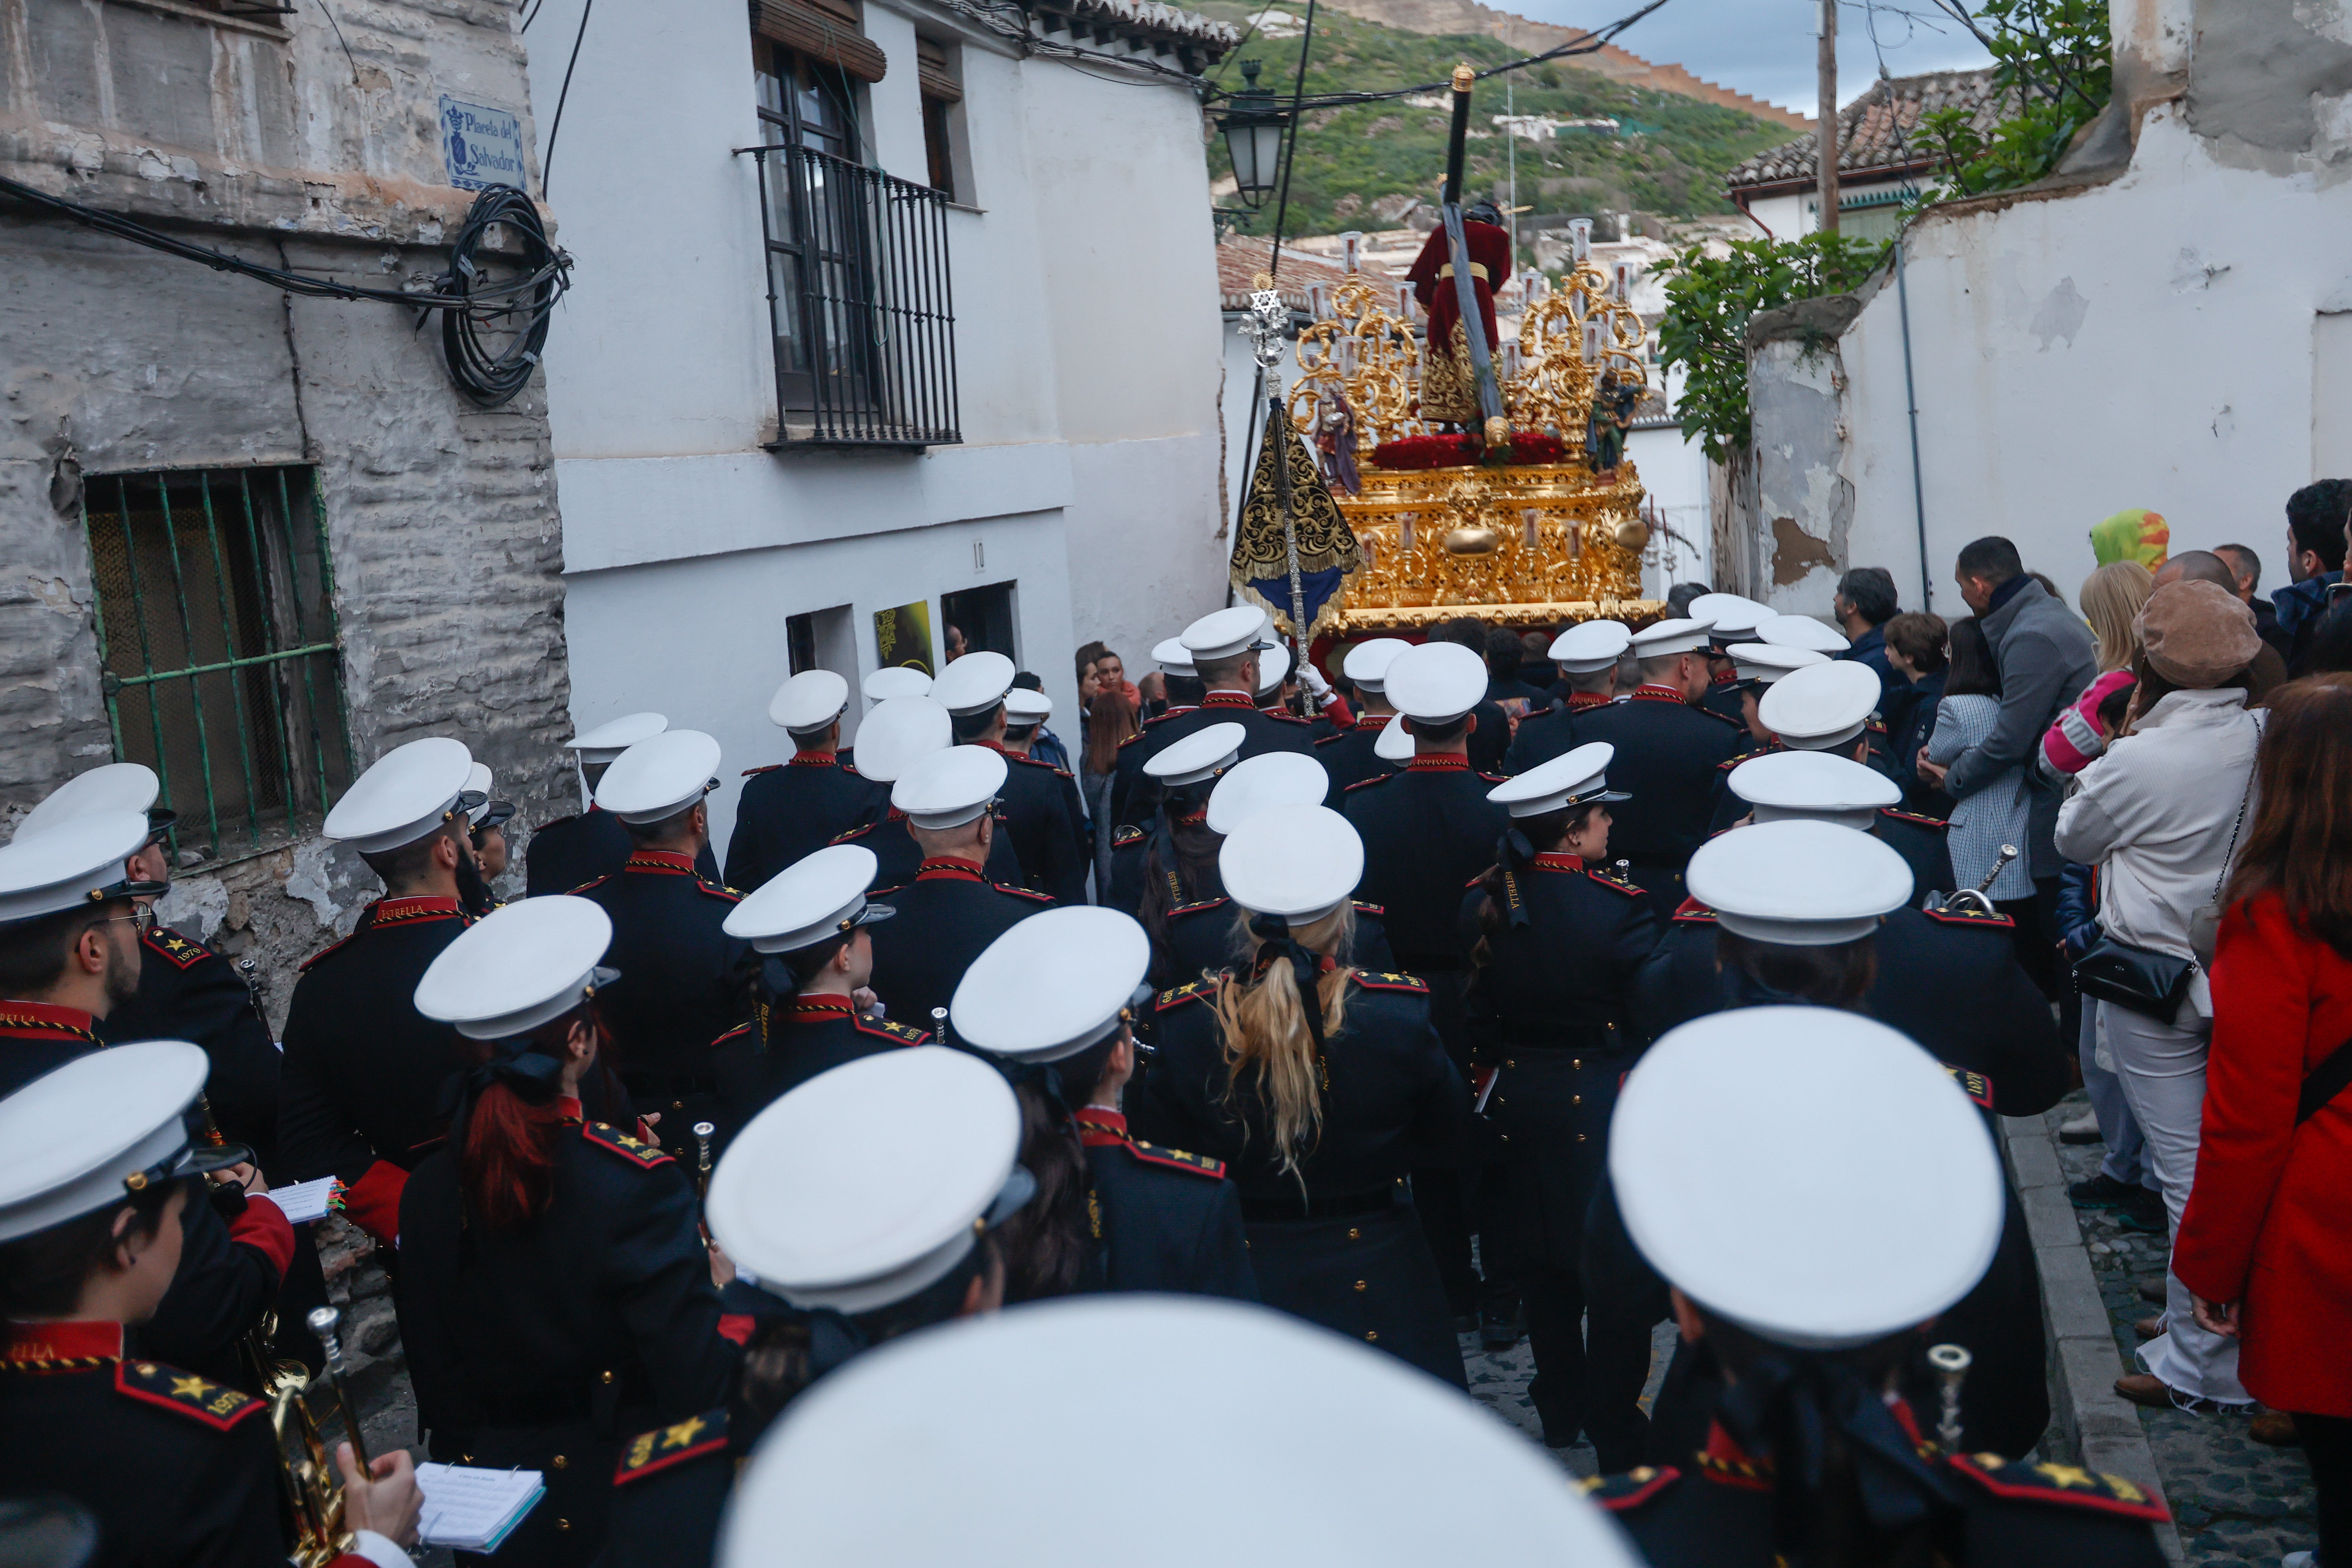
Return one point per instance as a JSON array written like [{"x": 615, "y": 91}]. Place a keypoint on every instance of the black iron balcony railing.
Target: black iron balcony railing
[{"x": 859, "y": 299}]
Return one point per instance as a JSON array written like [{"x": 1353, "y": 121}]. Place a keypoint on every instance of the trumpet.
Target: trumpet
[
  {"x": 1978, "y": 900},
  {"x": 702, "y": 1135},
  {"x": 1952, "y": 1363}
]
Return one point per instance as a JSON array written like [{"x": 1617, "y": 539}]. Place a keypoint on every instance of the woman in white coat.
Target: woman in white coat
[{"x": 2161, "y": 814}]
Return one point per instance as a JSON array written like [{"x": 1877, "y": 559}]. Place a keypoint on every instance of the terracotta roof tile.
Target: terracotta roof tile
[
  {"x": 1878, "y": 131},
  {"x": 1241, "y": 258}
]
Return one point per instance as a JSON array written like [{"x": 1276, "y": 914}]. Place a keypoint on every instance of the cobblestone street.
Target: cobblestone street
[{"x": 2235, "y": 1500}]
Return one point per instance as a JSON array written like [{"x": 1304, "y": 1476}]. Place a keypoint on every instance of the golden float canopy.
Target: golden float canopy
[{"x": 1535, "y": 544}]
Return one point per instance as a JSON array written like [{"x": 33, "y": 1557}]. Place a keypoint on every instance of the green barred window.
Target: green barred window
[{"x": 217, "y": 644}]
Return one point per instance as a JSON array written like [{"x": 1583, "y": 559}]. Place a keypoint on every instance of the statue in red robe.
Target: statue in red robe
[{"x": 1449, "y": 387}]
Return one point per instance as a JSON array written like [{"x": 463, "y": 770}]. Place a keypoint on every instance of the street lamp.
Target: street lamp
[{"x": 1253, "y": 130}]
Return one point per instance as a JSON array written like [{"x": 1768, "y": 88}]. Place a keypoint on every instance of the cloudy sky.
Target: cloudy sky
[{"x": 1766, "y": 48}]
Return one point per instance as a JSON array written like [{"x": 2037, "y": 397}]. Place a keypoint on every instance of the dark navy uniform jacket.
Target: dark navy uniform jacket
[
  {"x": 175, "y": 1468},
  {"x": 360, "y": 1089},
  {"x": 1349, "y": 758},
  {"x": 594, "y": 1320},
  {"x": 232, "y": 1254},
  {"x": 681, "y": 983},
  {"x": 1667, "y": 753},
  {"x": 1039, "y": 807},
  {"x": 1548, "y": 734},
  {"x": 571, "y": 850},
  {"x": 793, "y": 1039},
  {"x": 791, "y": 809},
  {"x": 1427, "y": 829},
  {"x": 1393, "y": 1099},
  {"x": 1167, "y": 1220},
  {"x": 947, "y": 916},
  {"x": 1718, "y": 1512},
  {"x": 898, "y": 858},
  {"x": 1129, "y": 800},
  {"x": 188, "y": 991}
]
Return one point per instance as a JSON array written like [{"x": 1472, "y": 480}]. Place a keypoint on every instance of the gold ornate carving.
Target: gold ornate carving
[{"x": 1517, "y": 544}]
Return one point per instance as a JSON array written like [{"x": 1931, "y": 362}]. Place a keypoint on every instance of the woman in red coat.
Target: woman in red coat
[{"x": 2265, "y": 1245}]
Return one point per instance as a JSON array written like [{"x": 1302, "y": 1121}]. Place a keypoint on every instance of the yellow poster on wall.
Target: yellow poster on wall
[{"x": 903, "y": 636}]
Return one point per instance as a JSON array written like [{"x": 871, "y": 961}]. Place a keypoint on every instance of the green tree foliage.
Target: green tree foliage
[
  {"x": 2052, "y": 62},
  {"x": 1668, "y": 156},
  {"x": 1710, "y": 299}
]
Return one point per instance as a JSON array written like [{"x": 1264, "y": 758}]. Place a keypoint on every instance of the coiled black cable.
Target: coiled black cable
[
  {"x": 469, "y": 301},
  {"x": 492, "y": 378}
]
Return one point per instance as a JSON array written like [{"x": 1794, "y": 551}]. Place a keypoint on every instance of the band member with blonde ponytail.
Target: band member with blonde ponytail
[
  {"x": 1320, "y": 1086},
  {"x": 555, "y": 1292}
]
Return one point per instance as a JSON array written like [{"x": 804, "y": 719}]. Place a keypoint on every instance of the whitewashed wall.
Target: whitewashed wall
[{"x": 1088, "y": 357}]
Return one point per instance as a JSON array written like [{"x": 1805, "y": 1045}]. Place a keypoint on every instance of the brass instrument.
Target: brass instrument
[
  {"x": 1978, "y": 900},
  {"x": 702, "y": 1134},
  {"x": 1952, "y": 1363}
]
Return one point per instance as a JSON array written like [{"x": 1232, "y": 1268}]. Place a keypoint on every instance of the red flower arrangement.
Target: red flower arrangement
[{"x": 1530, "y": 448}]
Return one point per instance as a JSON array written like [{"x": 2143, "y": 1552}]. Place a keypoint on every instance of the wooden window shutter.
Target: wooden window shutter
[
  {"x": 931, "y": 72},
  {"x": 825, "y": 30}
]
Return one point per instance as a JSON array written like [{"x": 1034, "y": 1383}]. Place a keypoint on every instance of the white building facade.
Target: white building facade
[
  {"x": 2166, "y": 323},
  {"x": 986, "y": 384}
]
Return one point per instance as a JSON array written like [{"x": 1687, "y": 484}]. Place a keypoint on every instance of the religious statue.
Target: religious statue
[
  {"x": 1613, "y": 403},
  {"x": 1449, "y": 386}
]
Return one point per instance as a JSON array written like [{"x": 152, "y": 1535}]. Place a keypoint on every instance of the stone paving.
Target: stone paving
[
  {"x": 2235, "y": 1500},
  {"x": 1499, "y": 1380}
]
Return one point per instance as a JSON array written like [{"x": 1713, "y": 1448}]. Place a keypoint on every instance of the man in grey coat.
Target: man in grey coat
[{"x": 2046, "y": 658}]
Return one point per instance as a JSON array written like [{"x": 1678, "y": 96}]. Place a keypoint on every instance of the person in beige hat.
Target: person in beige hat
[{"x": 2160, "y": 813}]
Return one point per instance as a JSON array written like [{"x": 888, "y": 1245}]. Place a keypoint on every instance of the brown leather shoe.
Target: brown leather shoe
[
  {"x": 2148, "y": 1328},
  {"x": 2275, "y": 1427},
  {"x": 2145, "y": 1388},
  {"x": 2152, "y": 1292}
]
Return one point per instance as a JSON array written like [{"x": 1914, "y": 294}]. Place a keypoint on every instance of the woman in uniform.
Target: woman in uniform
[
  {"x": 1320, "y": 1086},
  {"x": 1173, "y": 865},
  {"x": 1555, "y": 949},
  {"x": 554, "y": 1290}
]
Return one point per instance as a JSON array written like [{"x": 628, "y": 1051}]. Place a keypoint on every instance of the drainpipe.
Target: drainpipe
[{"x": 1911, "y": 395}]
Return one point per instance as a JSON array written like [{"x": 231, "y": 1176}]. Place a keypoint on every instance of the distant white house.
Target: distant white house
[
  {"x": 1543, "y": 128},
  {"x": 1882, "y": 158},
  {"x": 898, "y": 306}
]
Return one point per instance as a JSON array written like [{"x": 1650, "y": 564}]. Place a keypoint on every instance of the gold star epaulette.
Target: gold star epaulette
[
  {"x": 1975, "y": 1085},
  {"x": 650, "y": 1453},
  {"x": 718, "y": 890},
  {"x": 2069, "y": 1486},
  {"x": 210, "y": 1403},
  {"x": 636, "y": 1151},
  {"x": 851, "y": 836},
  {"x": 1176, "y": 1159},
  {"x": 1967, "y": 917},
  {"x": 166, "y": 943},
  {"x": 1622, "y": 1494},
  {"x": 1127, "y": 837},
  {"x": 1190, "y": 991},
  {"x": 1031, "y": 894},
  {"x": 1915, "y": 817},
  {"x": 1196, "y": 907},
  {"x": 903, "y": 1034},
  {"x": 1382, "y": 980},
  {"x": 1367, "y": 908},
  {"x": 754, "y": 773},
  {"x": 1692, "y": 912},
  {"x": 1615, "y": 883}
]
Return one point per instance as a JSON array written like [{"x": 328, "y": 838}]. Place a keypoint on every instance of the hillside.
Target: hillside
[{"x": 1667, "y": 157}]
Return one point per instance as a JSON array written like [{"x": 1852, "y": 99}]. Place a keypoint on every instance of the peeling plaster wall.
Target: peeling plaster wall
[
  {"x": 2153, "y": 339},
  {"x": 442, "y": 528},
  {"x": 1796, "y": 393}
]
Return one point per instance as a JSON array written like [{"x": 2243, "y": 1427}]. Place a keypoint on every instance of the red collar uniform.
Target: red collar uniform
[
  {"x": 1165, "y": 1220},
  {"x": 794, "y": 808}
]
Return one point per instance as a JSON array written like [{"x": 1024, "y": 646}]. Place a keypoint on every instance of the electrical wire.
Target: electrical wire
[
  {"x": 471, "y": 301},
  {"x": 547, "y": 158},
  {"x": 1590, "y": 43}
]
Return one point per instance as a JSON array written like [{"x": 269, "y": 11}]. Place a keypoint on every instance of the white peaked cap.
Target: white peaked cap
[
  {"x": 660, "y": 777},
  {"x": 111, "y": 787},
  {"x": 612, "y": 737},
  {"x": 1801, "y": 883},
  {"x": 408, "y": 793},
  {"x": 518, "y": 967},
  {"x": 824, "y": 1213},
  {"x": 809, "y": 701},
  {"x": 1822, "y": 705},
  {"x": 1255, "y": 783},
  {"x": 815, "y": 899},
  {"x": 1055, "y": 983},
  {"x": 1300, "y": 862},
  {"x": 950, "y": 788},
  {"x": 1298, "y": 1437},
  {"x": 898, "y": 732},
  {"x": 896, "y": 681},
  {"x": 974, "y": 683},
  {"x": 1188, "y": 759},
  {"x": 1773, "y": 1162}
]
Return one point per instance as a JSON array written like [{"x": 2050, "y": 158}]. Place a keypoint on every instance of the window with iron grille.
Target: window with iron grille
[
  {"x": 218, "y": 650},
  {"x": 858, "y": 297}
]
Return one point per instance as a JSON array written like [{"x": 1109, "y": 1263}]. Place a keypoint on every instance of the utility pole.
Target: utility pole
[
  {"x": 1829, "y": 121},
  {"x": 1511, "y": 123}
]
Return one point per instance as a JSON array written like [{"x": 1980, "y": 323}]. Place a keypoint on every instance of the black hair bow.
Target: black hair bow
[
  {"x": 1275, "y": 945},
  {"x": 531, "y": 1073},
  {"x": 1791, "y": 1402}
]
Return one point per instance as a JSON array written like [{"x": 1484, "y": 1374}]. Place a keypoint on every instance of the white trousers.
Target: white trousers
[{"x": 2163, "y": 1071}]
